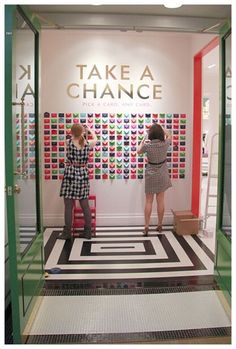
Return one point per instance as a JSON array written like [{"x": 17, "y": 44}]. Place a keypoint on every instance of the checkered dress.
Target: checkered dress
[
  {"x": 157, "y": 177},
  {"x": 75, "y": 183}
]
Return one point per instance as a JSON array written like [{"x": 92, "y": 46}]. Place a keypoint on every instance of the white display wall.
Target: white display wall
[{"x": 87, "y": 72}]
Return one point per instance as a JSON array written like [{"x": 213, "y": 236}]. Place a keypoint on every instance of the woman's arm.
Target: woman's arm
[
  {"x": 140, "y": 147},
  {"x": 167, "y": 134},
  {"x": 94, "y": 140}
]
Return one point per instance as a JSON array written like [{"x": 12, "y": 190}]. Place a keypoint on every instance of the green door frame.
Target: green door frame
[
  {"x": 27, "y": 271},
  {"x": 223, "y": 244}
]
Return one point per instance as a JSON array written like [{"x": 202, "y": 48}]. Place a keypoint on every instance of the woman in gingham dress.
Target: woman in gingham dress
[
  {"x": 157, "y": 179},
  {"x": 75, "y": 183}
]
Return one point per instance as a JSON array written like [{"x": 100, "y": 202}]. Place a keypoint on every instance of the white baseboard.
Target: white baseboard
[{"x": 109, "y": 220}]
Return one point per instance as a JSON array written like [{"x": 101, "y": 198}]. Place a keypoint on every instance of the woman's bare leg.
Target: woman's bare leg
[
  {"x": 148, "y": 208},
  {"x": 160, "y": 207}
]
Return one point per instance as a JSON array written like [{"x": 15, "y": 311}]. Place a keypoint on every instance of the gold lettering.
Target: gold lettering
[
  {"x": 147, "y": 73},
  {"x": 94, "y": 72},
  {"x": 156, "y": 91},
  {"x": 108, "y": 92},
  {"x": 139, "y": 92},
  {"x": 129, "y": 93},
  {"x": 69, "y": 90},
  {"x": 81, "y": 70},
  {"x": 94, "y": 90},
  {"x": 27, "y": 71},
  {"x": 123, "y": 71},
  {"x": 108, "y": 72}
]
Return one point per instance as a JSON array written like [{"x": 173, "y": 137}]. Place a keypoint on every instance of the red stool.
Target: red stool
[{"x": 78, "y": 217}]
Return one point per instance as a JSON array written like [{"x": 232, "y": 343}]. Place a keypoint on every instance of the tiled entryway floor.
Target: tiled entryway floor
[{"x": 122, "y": 287}]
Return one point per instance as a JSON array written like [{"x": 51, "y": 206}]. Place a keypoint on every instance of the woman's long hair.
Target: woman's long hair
[
  {"x": 156, "y": 132},
  {"x": 77, "y": 131}
]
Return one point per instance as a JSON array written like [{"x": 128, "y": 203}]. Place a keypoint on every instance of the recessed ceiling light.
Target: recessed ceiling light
[{"x": 173, "y": 4}]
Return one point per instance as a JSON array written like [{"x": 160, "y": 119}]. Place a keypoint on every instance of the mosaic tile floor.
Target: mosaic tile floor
[
  {"x": 128, "y": 317},
  {"x": 122, "y": 287}
]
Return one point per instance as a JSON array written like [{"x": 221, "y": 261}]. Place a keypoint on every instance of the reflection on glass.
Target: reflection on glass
[
  {"x": 226, "y": 218},
  {"x": 24, "y": 114}
]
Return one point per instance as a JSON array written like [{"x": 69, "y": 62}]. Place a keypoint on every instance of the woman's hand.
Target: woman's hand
[{"x": 93, "y": 142}]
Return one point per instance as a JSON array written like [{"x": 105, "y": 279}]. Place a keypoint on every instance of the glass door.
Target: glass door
[
  {"x": 224, "y": 210},
  {"x": 23, "y": 209}
]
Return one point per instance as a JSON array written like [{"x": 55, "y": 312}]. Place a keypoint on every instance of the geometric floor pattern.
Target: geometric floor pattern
[
  {"x": 26, "y": 236},
  {"x": 122, "y": 287},
  {"x": 126, "y": 254}
]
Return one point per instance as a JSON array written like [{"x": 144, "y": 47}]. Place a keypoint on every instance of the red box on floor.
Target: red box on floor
[{"x": 185, "y": 223}]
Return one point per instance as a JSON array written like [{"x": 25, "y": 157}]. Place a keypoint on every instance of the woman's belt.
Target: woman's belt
[
  {"x": 157, "y": 163},
  {"x": 75, "y": 164}
]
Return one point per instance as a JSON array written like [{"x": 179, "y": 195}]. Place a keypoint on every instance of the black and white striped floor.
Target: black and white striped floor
[
  {"x": 26, "y": 236},
  {"x": 123, "y": 253},
  {"x": 122, "y": 287}
]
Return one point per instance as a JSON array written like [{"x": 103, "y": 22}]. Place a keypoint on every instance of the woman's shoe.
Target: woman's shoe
[
  {"x": 159, "y": 228},
  {"x": 87, "y": 234},
  {"x": 145, "y": 232},
  {"x": 64, "y": 236}
]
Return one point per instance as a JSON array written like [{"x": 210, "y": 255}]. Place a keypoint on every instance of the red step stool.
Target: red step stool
[{"x": 78, "y": 217}]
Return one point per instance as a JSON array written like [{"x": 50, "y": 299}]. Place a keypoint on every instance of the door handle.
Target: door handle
[
  {"x": 23, "y": 174},
  {"x": 17, "y": 189}
]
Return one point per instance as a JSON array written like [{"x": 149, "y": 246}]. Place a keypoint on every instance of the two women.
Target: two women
[
  {"x": 75, "y": 183},
  {"x": 157, "y": 179}
]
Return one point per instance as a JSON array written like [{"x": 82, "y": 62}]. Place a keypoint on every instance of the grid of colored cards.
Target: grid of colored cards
[
  {"x": 25, "y": 145},
  {"x": 115, "y": 154}
]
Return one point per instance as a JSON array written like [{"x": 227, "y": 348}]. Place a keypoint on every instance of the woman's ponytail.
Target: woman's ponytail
[{"x": 77, "y": 131}]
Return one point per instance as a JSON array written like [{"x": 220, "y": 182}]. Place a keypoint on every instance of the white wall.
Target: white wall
[{"x": 170, "y": 58}]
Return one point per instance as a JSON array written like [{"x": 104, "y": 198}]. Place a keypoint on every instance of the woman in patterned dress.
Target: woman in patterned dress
[
  {"x": 157, "y": 179},
  {"x": 75, "y": 183}
]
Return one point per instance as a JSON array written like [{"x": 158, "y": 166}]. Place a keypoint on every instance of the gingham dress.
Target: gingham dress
[
  {"x": 157, "y": 177},
  {"x": 75, "y": 183}
]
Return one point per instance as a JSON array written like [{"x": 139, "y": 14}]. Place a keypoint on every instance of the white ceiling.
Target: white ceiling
[
  {"x": 205, "y": 11},
  {"x": 187, "y": 18}
]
